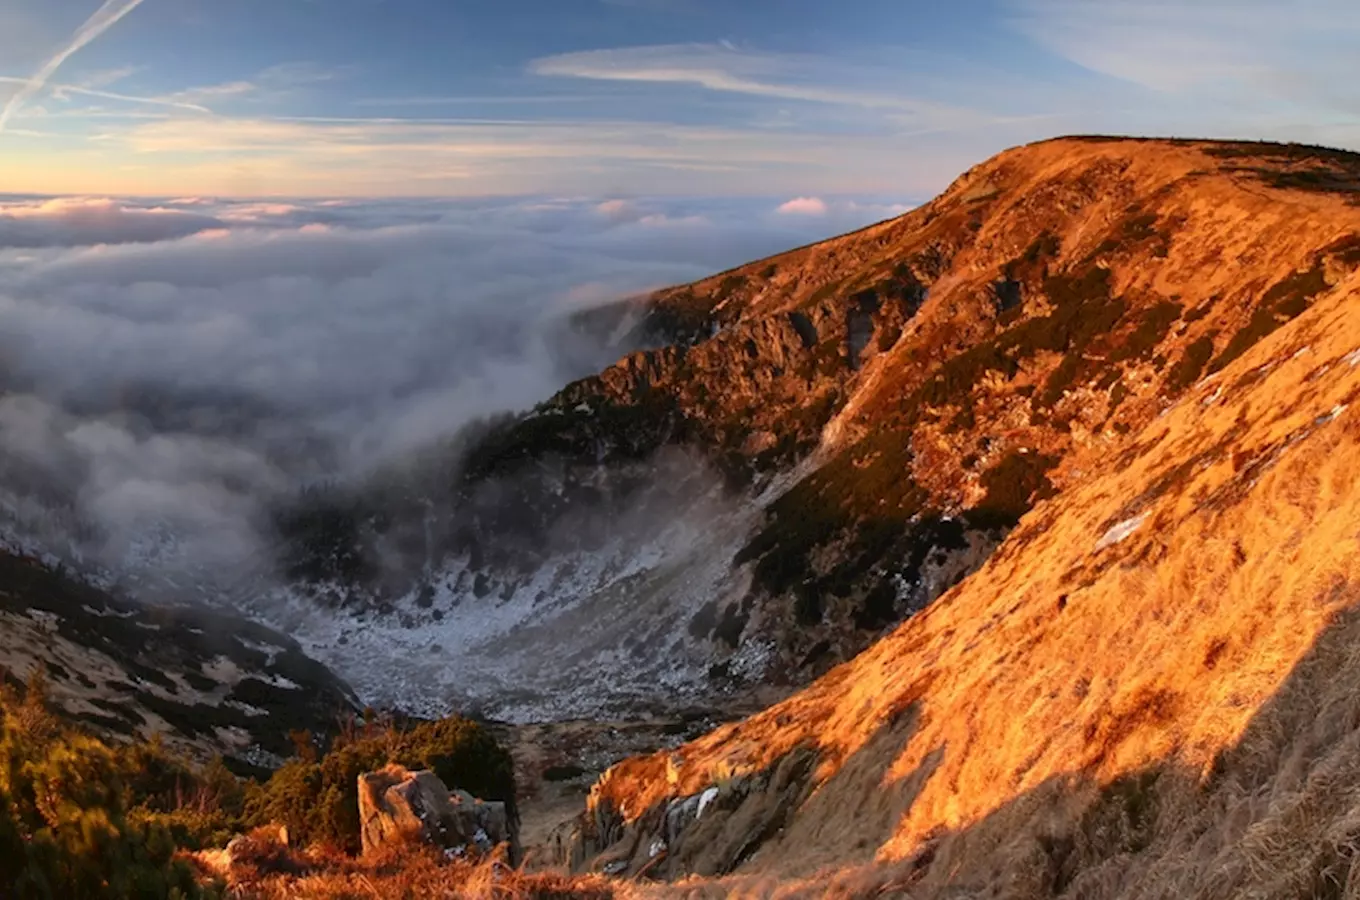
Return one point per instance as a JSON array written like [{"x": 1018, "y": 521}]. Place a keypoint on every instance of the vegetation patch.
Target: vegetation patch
[
  {"x": 1138, "y": 229},
  {"x": 317, "y": 797},
  {"x": 80, "y": 818},
  {"x": 1014, "y": 485},
  {"x": 1282, "y": 303},
  {"x": 1190, "y": 366}
]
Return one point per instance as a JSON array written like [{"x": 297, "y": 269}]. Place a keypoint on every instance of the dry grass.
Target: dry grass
[
  {"x": 262, "y": 869},
  {"x": 1173, "y": 715}
]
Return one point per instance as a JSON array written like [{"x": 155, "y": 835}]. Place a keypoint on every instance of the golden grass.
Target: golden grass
[
  {"x": 1212, "y": 652},
  {"x": 264, "y": 870}
]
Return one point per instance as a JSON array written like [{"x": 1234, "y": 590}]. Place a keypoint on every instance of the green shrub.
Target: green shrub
[
  {"x": 70, "y": 826},
  {"x": 319, "y": 799}
]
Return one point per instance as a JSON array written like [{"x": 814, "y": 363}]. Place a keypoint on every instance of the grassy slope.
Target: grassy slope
[{"x": 1174, "y": 714}]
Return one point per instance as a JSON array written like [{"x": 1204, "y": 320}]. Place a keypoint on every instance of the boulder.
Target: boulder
[{"x": 397, "y": 805}]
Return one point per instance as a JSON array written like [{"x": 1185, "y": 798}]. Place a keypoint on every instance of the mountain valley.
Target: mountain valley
[{"x": 1004, "y": 549}]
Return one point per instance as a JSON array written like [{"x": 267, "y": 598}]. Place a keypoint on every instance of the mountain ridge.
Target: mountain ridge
[
  {"x": 1145, "y": 691},
  {"x": 840, "y": 356}
]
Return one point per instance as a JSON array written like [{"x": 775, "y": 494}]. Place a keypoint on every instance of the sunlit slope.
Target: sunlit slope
[
  {"x": 1127, "y": 641},
  {"x": 912, "y": 389}
]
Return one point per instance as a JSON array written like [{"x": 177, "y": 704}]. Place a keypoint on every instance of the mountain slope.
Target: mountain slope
[
  {"x": 877, "y": 411},
  {"x": 205, "y": 682},
  {"x": 1149, "y": 689}
]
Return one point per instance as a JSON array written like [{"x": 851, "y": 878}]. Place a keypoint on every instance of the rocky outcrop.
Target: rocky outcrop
[
  {"x": 399, "y": 806},
  {"x": 708, "y": 833}
]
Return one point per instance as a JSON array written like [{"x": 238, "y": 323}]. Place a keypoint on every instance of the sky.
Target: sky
[{"x": 604, "y": 98}]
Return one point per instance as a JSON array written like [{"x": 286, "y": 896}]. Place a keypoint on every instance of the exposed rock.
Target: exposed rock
[
  {"x": 397, "y": 806},
  {"x": 707, "y": 833}
]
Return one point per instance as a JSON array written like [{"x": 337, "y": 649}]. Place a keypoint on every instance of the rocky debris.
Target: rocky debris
[{"x": 397, "y": 805}]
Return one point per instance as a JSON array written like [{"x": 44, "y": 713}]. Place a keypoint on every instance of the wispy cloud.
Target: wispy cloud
[
  {"x": 455, "y": 100},
  {"x": 107, "y": 78},
  {"x": 257, "y": 156},
  {"x": 726, "y": 68},
  {"x": 66, "y": 91},
  {"x": 104, "y": 18}
]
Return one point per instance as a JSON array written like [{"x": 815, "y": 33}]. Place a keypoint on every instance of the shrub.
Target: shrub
[
  {"x": 318, "y": 799},
  {"x": 69, "y": 826}
]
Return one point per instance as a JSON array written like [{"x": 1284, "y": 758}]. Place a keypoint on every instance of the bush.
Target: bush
[
  {"x": 70, "y": 826},
  {"x": 318, "y": 799}
]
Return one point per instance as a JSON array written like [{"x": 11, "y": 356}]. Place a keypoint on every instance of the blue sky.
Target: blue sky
[{"x": 881, "y": 98}]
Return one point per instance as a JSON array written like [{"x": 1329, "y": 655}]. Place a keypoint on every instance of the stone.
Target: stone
[{"x": 398, "y": 806}]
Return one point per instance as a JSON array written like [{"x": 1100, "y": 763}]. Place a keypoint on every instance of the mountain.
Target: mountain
[
  {"x": 817, "y": 445},
  {"x": 1148, "y": 689},
  {"x": 1028, "y": 518}
]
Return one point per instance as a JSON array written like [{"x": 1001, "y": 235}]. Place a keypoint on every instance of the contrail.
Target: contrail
[{"x": 103, "y": 19}]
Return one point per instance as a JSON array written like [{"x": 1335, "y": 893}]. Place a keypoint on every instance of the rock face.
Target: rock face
[
  {"x": 399, "y": 806},
  {"x": 209, "y": 683}
]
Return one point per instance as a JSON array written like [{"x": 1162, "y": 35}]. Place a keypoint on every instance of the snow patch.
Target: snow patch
[
  {"x": 1121, "y": 532},
  {"x": 705, "y": 799}
]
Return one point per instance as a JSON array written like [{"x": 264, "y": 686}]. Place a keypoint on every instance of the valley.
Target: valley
[{"x": 1004, "y": 548}]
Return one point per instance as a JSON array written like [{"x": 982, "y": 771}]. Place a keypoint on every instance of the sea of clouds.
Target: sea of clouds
[{"x": 169, "y": 367}]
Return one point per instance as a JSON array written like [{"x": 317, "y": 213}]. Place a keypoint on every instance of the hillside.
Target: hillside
[
  {"x": 1148, "y": 689},
  {"x": 206, "y": 683},
  {"x": 821, "y": 443}
]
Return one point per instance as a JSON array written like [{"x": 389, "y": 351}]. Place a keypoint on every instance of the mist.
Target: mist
[{"x": 173, "y": 368}]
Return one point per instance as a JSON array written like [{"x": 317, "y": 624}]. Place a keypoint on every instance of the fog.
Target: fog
[{"x": 172, "y": 367}]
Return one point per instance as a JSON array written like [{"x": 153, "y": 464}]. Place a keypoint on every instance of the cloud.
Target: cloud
[
  {"x": 619, "y": 211},
  {"x": 258, "y": 156},
  {"x": 103, "y": 19},
  {"x": 76, "y": 222},
  {"x": 172, "y": 368},
  {"x": 803, "y": 206},
  {"x": 725, "y": 68},
  {"x": 67, "y": 91}
]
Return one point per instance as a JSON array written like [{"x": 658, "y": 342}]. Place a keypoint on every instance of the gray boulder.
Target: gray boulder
[{"x": 398, "y": 806}]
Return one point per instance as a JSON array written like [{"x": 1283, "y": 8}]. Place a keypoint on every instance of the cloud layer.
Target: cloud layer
[{"x": 171, "y": 366}]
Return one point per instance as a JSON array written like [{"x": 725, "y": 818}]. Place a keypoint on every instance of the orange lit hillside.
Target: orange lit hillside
[{"x": 1152, "y": 688}]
